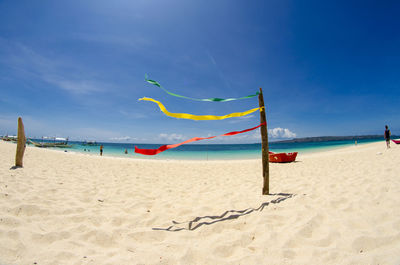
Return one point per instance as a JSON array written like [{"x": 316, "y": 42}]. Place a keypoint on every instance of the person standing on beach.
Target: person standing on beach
[
  {"x": 101, "y": 150},
  {"x": 387, "y": 136}
]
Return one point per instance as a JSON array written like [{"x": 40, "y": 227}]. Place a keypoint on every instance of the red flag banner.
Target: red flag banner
[{"x": 194, "y": 139}]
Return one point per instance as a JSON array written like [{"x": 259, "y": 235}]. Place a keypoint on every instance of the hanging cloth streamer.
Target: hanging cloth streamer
[
  {"x": 197, "y": 99},
  {"x": 194, "y": 139},
  {"x": 198, "y": 117}
]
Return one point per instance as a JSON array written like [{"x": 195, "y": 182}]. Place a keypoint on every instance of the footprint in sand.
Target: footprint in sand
[
  {"x": 48, "y": 238},
  {"x": 9, "y": 221},
  {"x": 148, "y": 236}
]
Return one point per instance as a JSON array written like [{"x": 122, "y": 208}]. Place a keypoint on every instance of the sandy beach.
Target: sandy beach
[{"x": 333, "y": 207}]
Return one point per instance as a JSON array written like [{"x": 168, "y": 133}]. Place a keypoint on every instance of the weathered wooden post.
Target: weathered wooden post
[
  {"x": 20, "y": 144},
  {"x": 264, "y": 141}
]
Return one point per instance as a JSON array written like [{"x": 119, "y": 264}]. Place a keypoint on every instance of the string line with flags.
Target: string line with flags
[
  {"x": 197, "y": 99},
  {"x": 196, "y": 117}
]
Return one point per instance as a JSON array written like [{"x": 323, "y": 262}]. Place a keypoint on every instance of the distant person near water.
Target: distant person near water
[
  {"x": 387, "y": 136},
  {"x": 101, "y": 150},
  {"x": 126, "y": 151}
]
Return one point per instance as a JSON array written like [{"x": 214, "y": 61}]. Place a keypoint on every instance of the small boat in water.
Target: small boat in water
[
  {"x": 57, "y": 142},
  {"x": 10, "y": 138},
  {"x": 396, "y": 141},
  {"x": 282, "y": 157},
  {"x": 90, "y": 143}
]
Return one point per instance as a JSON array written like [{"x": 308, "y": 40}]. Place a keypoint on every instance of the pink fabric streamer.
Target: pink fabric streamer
[{"x": 194, "y": 139}]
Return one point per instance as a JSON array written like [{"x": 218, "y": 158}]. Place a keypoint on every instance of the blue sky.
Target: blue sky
[{"x": 76, "y": 68}]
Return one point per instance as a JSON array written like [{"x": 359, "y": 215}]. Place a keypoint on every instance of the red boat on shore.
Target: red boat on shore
[
  {"x": 282, "y": 157},
  {"x": 396, "y": 141}
]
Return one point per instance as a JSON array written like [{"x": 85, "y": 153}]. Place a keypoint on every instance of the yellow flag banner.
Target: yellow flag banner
[{"x": 198, "y": 117}]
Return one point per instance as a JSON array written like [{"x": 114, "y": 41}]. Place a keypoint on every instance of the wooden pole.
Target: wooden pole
[
  {"x": 265, "y": 148},
  {"x": 20, "y": 144}
]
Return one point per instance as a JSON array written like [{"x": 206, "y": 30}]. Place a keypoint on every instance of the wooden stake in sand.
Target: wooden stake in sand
[
  {"x": 20, "y": 144},
  {"x": 265, "y": 148}
]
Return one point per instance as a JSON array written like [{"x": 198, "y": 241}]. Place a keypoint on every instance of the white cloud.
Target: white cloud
[
  {"x": 250, "y": 137},
  {"x": 221, "y": 75},
  {"x": 130, "y": 42},
  {"x": 171, "y": 137},
  {"x": 281, "y": 133},
  {"x": 123, "y": 138},
  {"x": 60, "y": 72},
  {"x": 212, "y": 59},
  {"x": 8, "y": 123},
  {"x": 243, "y": 118},
  {"x": 133, "y": 115},
  {"x": 78, "y": 86},
  {"x": 255, "y": 136}
]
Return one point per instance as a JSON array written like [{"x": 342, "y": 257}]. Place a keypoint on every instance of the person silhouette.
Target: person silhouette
[{"x": 387, "y": 136}]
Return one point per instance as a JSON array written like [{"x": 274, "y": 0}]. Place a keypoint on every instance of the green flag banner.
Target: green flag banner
[{"x": 197, "y": 99}]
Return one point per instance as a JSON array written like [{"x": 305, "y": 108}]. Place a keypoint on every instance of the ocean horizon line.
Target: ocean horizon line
[{"x": 211, "y": 142}]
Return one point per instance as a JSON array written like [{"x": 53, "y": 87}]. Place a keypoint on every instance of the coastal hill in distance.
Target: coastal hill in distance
[{"x": 335, "y": 138}]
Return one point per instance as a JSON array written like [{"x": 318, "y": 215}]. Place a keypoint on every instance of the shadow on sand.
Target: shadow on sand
[{"x": 228, "y": 215}]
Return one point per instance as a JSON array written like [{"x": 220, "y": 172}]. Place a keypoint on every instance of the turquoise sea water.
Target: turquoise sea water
[{"x": 210, "y": 151}]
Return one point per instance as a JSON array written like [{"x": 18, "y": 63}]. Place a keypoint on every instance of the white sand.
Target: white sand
[{"x": 336, "y": 207}]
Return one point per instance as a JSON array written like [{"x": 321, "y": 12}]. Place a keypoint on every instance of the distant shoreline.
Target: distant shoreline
[
  {"x": 333, "y": 138},
  {"x": 210, "y": 151}
]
